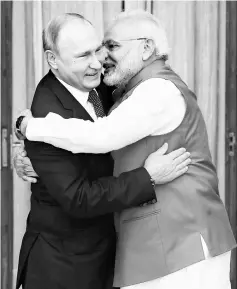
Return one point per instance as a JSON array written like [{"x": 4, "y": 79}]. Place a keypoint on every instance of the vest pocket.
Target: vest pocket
[
  {"x": 139, "y": 234},
  {"x": 156, "y": 212}
]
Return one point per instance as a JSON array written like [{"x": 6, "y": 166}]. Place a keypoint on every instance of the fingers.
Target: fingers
[
  {"x": 27, "y": 175},
  {"x": 177, "y": 153},
  {"x": 23, "y": 153},
  {"x": 20, "y": 148},
  {"x": 29, "y": 172},
  {"x": 29, "y": 179},
  {"x": 18, "y": 158},
  {"x": 19, "y": 153},
  {"x": 23, "y": 173},
  {"x": 183, "y": 164},
  {"x": 24, "y": 167},
  {"x": 162, "y": 150},
  {"x": 182, "y": 168},
  {"x": 181, "y": 158},
  {"x": 21, "y": 157},
  {"x": 181, "y": 172},
  {"x": 26, "y": 161},
  {"x": 20, "y": 170},
  {"x": 17, "y": 162}
]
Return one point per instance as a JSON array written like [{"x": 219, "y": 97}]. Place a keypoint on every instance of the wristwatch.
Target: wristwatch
[{"x": 18, "y": 124}]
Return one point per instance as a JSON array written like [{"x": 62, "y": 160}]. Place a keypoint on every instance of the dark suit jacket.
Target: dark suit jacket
[{"x": 70, "y": 237}]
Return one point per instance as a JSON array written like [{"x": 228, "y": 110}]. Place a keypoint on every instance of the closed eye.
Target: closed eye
[
  {"x": 99, "y": 48},
  {"x": 111, "y": 45},
  {"x": 83, "y": 55}
]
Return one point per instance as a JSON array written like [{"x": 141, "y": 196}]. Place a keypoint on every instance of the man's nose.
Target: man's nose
[
  {"x": 95, "y": 63},
  {"x": 105, "y": 51},
  {"x": 108, "y": 55}
]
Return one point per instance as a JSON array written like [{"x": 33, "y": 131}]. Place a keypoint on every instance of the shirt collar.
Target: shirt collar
[{"x": 81, "y": 96}]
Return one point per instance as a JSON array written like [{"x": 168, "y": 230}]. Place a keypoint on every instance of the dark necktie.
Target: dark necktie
[{"x": 94, "y": 99}]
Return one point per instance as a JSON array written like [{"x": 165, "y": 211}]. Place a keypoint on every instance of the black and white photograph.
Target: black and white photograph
[{"x": 118, "y": 144}]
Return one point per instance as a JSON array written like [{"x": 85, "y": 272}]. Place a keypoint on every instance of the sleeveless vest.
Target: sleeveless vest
[{"x": 161, "y": 238}]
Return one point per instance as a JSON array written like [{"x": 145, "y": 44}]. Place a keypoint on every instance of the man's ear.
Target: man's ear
[
  {"x": 149, "y": 48},
  {"x": 51, "y": 59}
]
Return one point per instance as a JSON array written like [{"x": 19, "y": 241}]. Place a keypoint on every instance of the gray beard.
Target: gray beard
[
  {"x": 112, "y": 80},
  {"x": 119, "y": 78}
]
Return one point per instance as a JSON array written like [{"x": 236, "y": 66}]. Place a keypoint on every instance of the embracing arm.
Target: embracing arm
[
  {"x": 151, "y": 109},
  {"x": 66, "y": 179}
]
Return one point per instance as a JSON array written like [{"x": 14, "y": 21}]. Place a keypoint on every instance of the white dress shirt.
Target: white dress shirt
[
  {"x": 81, "y": 97},
  {"x": 155, "y": 107}
]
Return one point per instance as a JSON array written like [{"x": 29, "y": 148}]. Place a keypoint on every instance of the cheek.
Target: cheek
[
  {"x": 102, "y": 56},
  {"x": 91, "y": 82},
  {"x": 65, "y": 69},
  {"x": 112, "y": 57},
  {"x": 78, "y": 71}
]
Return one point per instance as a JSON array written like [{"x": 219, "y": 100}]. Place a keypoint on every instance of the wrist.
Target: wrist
[
  {"x": 153, "y": 183},
  {"x": 152, "y": 180},
  {"x": 23, "y": 125},
  {"x": 18, "y": 124}
]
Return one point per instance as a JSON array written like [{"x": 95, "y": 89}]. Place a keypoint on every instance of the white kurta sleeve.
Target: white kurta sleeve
[{"x": 155, "y": 107}]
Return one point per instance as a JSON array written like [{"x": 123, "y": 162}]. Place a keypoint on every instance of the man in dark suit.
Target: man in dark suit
[{"x": 70, "y": 238}]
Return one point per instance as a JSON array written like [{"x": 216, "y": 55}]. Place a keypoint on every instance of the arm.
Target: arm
[
  {"x": 162, "y": 168},
  {"x": 65, "y": 177},
  {"x": 143, "y": 113},
  {"x": 23, "y": 166}
]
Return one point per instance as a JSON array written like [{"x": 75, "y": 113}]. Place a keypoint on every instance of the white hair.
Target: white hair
[{"x": 148, "y": 26}]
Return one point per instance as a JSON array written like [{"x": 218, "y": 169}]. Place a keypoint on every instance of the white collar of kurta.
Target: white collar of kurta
[{"x": 80, "y": 96}]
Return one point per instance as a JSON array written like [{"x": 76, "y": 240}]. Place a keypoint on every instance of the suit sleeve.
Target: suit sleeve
[{"x": 66, "y": 179}]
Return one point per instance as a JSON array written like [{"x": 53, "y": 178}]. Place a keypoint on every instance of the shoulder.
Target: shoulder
[
  {"x": 158, "y": 84},
  {"x": 45, "y": 100},
  {"x": 159, "y": 93},
  {"x": 158, "y": 89}
]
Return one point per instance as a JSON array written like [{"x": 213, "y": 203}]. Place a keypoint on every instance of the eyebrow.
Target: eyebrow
[
  {"x": 88, "y": 51},
  {"x": 109, "y": 40}
]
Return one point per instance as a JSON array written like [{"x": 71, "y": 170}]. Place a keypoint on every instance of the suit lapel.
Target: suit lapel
[{"x": 67, "y": 99}]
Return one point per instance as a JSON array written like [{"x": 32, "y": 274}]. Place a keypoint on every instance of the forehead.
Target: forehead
[
  {"x": 77, "y": 36},
  {"x": 121, "y": 30}
]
